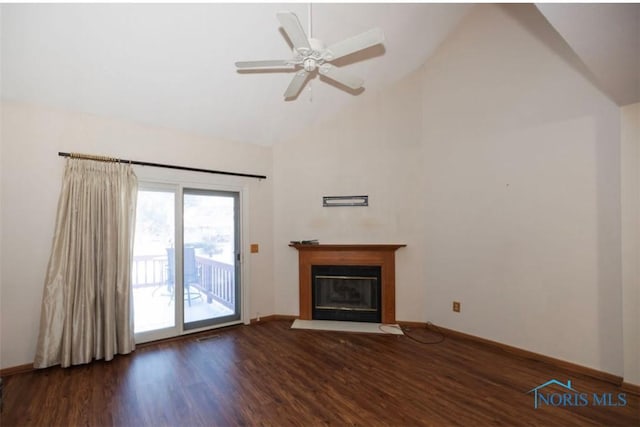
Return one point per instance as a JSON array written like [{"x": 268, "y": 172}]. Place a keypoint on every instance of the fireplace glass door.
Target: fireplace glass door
[{"x": 351, "y": 293}]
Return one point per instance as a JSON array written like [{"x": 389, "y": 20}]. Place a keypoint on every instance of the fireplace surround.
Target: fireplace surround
[{"x": 381, "y": 256}]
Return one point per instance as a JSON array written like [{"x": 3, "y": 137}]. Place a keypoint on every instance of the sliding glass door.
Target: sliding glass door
[
  {"x": 203, "y": 274},
  {"x": 211, "y": 255},
  {"x": 151, "y": 271}
]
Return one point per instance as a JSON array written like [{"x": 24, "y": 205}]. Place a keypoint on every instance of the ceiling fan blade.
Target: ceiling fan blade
[
  {"x": 296, "y": 84},
  {"x": 264, "y": 64},
  {"x": 342, "y": 77},
  {"x": 292, "y": 27},
  {"x": 354, "y": 44}
]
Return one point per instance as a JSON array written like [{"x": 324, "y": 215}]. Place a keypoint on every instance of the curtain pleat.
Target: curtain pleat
[{"x": 87, "y": 305}]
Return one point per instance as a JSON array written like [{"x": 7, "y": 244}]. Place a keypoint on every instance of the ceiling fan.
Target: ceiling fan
[{"x": 310, "y": 55}]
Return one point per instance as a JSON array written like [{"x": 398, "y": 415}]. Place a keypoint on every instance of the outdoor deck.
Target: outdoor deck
[{"x": 212, "y": 294}]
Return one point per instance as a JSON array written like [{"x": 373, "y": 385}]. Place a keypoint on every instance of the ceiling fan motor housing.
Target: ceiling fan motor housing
[
  {"x": 309, "y": 64},
  {"x": 311, "y": 59}
]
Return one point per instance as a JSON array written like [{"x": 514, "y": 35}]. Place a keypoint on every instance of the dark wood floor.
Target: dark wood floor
[{"x": 267, "y": 374}]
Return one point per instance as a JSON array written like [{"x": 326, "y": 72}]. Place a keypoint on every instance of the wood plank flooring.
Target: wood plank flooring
[{"x": 267, "y": 374}]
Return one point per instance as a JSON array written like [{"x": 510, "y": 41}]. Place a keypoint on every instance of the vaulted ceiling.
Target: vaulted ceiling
[{"x": 172, "y": 65}]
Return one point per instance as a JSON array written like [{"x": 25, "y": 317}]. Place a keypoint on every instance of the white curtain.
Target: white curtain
[{"x": 87, "y": 306}]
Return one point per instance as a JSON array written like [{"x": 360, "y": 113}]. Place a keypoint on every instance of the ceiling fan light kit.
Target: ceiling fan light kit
[{"x": 310, "y": 55}]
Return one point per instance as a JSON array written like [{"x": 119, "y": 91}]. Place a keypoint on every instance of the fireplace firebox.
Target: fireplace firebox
[{"x": 346, "y": 292}]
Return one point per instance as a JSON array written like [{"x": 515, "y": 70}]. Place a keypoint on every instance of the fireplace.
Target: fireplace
[
  {"x": 346, "y": 292},
  {"x": 379, "y": 257}
]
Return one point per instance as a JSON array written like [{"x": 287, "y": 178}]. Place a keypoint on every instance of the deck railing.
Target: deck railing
[
  {"x": 149, "y": 270},
  {"x": 215, "y": 279}
]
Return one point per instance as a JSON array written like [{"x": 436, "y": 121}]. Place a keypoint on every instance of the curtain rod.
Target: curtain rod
[{"x": 157, "y": 165}]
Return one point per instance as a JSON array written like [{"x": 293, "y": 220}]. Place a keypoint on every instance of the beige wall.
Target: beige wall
[
  {"x": 522, "y": 163},
  {"x": 498, "y": 164},
  {"x": 371, "y": 149},
  {"x": 31, "y": 178},
  {"x": 630, "y": 154}
]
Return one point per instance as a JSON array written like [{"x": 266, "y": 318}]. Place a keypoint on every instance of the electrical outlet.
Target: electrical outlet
[{"x": 456, "y": 306}]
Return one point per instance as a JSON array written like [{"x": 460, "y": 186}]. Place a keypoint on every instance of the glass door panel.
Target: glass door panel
[
  {"x": 210, "y": 258},
  {"x": 153, "y": 267}
]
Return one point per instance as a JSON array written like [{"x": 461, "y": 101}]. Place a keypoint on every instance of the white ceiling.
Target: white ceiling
[
  {"x": 606, "y": 37},
  {"x": 172, "y": 65}
]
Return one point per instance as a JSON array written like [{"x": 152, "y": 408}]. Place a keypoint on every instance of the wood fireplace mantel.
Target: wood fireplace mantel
[{"x": 382, "y": 255}]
